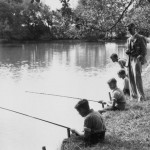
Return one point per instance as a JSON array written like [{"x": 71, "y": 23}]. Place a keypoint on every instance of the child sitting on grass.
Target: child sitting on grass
[
  {"x": 118, "y": 98},
  {"x": 94, "y": 128},
  {"x": 94, "y": 125}
]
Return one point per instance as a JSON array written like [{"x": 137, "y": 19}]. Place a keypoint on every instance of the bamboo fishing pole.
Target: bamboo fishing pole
[
  {"x": 68, "y": 129},
  {"x": 61, "y": 96},
  {"x": 101, "y": 101}
]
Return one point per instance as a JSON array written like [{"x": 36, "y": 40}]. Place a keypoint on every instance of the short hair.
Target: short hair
[
  {"x": 114, "y": 55},
  {"x": 112, "y": 80},
  {"x": 121, "y": 72},
  {"x": 82, "y": 104},
  {"x": 131, "y": 25}
]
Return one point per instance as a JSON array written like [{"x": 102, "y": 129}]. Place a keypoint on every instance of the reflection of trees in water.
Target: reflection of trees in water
[
  {"x": 91, "y": 55},
  {"x": 118, "y": 48},
  {"x": 40, "y": 55},
  {"x": 83, "y": 54},
  {"x": 11, "y": 58},
  {"x": 10, "y": 54},
  {"x": 44, "y": 54},
  {"x": 121, "y": 51}
]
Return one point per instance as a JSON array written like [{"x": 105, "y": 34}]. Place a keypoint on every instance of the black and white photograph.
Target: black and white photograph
[{"x": 74, "y": 74}]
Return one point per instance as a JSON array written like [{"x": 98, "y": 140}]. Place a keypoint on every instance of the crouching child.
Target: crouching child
[{"x": 122, "y": 75}]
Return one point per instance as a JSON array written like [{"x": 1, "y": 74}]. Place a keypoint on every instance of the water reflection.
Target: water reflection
[
  {"x": 84, "y": 55},
  {"x": 91, "y": 55},
  {"x": 69, "y": 68}
]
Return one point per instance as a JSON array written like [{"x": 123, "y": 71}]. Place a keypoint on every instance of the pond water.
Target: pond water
[{"x": 76, "y": 69}]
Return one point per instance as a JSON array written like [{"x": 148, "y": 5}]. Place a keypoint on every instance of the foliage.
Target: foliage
[
  {"x": 97, "y": 16},
  {"x": 30, "y": 23},
  {"x": 37, "y": 19},
  {"x": 141, "y": 16},
  {"x": 91, "y": 19}
]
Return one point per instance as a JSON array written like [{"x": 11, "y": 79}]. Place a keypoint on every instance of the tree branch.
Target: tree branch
[
  {"x": 121, "y": 15},
  {"x": 126, "y": 8}
]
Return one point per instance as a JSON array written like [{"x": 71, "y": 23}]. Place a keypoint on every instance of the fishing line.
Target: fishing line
[{"x": 68, "y": 129}]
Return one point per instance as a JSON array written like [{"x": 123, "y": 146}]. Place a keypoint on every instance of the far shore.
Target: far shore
[{"x": 60, "y": 40}]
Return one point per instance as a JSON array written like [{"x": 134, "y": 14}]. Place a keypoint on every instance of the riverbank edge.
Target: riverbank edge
[
  {"x": 126, "y": 130},
  {"x": 3, "y": 41}
]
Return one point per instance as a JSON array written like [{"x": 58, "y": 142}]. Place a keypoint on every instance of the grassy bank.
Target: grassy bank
[{"x": 126, "y": 130}]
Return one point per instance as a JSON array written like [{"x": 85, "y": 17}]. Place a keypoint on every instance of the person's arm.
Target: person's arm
[
  {"x": 87, "y": 132},
  {"x": 121, "y": 64},
  {"x": 143, "y": 46},
  {"x": 88, "y": 126},
  {"x": 108, "y": 103},
  {"x": 125, "y": 86},
  {"x": 115, "y": 97},
  {"x": 128, "y": 47},
  {"x": 128, "y": 52},
  {"x": 114, "y": 103},
  {"x": 143, "y": 49},
  {"x": 76, "y": 132}
]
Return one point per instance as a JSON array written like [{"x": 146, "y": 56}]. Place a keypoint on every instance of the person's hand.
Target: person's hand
[
  {"x": 100, "y": 101},
  {"x": 109, "y": 103},
  {"x": 87, "y": 129},
  {"x": 140, "y": 58},
  {"x": 127, "y": 52},
  {"x": 73, "y": 131}
]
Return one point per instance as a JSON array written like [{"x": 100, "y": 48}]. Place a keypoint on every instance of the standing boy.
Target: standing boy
[
  {"x": 122, "y": 74},
  {"x": 118, "y": 97}
]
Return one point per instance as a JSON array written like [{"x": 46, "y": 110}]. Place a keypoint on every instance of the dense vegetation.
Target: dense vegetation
[{"x": 91, "y": 19}]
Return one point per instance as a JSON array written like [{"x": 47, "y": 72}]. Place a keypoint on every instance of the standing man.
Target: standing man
[{"x": 136, "y": 51}]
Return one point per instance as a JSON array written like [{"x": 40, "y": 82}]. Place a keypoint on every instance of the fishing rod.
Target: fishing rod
[
  {"x": 68, "y": 129},
  {"x": 60, "y": 96}
]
